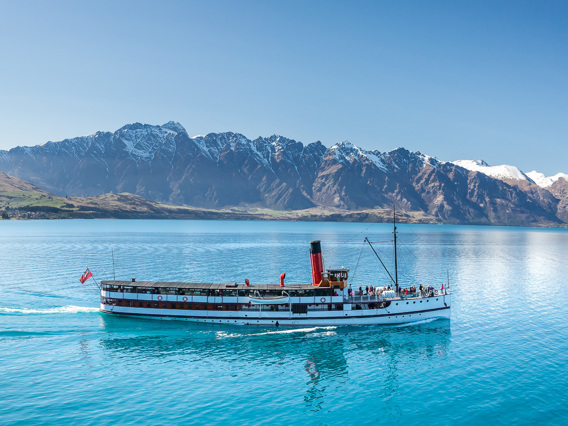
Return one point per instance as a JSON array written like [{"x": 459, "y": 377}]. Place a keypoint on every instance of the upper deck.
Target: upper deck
[{"x": 107, "y": 284}]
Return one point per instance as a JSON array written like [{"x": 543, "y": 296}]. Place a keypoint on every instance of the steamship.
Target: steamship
[{"x": 328, "y": 300}]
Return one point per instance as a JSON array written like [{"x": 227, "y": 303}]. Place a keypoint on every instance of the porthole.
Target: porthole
[
  {"x": 407, "y": 303},
  {"x": 413, "y": 302},
  {"x": 436, "y": 300}
]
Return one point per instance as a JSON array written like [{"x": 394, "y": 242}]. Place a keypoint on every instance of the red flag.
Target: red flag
[{"x": 85, "y": 276}]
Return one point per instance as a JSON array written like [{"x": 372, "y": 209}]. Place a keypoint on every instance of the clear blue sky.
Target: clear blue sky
[{"x": 453, "y": 79}]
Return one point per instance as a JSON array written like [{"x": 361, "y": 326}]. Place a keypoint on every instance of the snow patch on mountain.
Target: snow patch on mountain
[
  {"x": 431, "y": 161},
  {"x": 545, "y": 181},
  {"x": 500, "y": 172},
  {"x": 377, "y": 159},
  {"x": 345, "y": 152},
  {"x": 142, "y": 141}
]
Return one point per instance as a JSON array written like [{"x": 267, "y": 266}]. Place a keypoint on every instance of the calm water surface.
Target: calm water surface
[{"x": 501, "y": 359}]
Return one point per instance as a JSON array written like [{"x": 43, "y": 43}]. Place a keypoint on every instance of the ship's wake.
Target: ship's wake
[
  {"x": 325, "y": 331},
  {"x": 293, "y": 330},
  {"x": 421, "y": 322},
  {"x": 68, "y": 309}
]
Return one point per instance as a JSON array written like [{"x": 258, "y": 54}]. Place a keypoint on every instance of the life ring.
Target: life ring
[
  {"x": 184, "y": 298},
  {"x": 322, "y": 300},
  {"x": 160, "y": 298}
]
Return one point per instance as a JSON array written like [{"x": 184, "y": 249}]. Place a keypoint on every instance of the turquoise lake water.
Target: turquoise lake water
[{"x": 501, "y": 359}]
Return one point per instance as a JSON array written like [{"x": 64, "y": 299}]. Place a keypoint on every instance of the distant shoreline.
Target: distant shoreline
[{"x": 187, "y": 213}]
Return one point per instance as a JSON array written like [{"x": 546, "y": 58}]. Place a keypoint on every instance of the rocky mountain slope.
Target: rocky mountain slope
[
  {"x": 221, "y": 170},
  {"x": 21, "y": 200},
  {"x": 547, "y": 191}
]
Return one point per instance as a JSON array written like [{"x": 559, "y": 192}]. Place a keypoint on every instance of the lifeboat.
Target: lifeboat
[{"x": 269, "y": 300}]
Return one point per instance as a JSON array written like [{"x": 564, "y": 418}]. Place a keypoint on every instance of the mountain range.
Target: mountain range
[{"x": 227, "y": 170}]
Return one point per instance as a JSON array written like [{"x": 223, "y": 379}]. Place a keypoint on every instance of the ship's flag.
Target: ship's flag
[{"x": 88, "y": 274}]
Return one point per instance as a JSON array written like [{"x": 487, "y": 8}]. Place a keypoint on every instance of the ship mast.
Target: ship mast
[{"x": 395, "y": 257}]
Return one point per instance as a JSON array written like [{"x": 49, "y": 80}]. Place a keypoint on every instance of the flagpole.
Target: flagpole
[
  {"x": 113, "y": 271},
  {"x": 99, "y": 287},
  {"x": 93, "y": 277}
]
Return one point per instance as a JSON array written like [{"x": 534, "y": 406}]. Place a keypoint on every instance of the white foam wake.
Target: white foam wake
[
  {"x": 410, "y": 324},
  {"x": 223, "y": 334},
  {"x": 69, "y": 309},
  {"x": 294, "y": 330}
]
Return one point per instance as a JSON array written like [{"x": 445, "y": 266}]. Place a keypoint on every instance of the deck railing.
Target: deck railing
[{"x": 367, "y": 298}]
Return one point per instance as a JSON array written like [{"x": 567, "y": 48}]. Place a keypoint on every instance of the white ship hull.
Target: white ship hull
[{"x": 400, "y": 311}]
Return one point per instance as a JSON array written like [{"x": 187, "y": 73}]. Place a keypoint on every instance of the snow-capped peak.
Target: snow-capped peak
[
  {"x": 545, "y": 181},
  {"x": 346, "y": 152},
  {"x": 481, "y": 163},
  {"x": 174, "y": 126},
  {"x": 499, "y": 172}
]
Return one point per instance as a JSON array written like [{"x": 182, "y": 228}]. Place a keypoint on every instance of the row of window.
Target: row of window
[
  {"x": 221, "y": 292},
  {"x": 172, "y": 305},
  {"x": 296, "y": 308}
]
